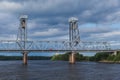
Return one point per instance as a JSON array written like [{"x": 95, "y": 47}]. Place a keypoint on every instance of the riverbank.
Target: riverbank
[{"x": 110, "y": 62}]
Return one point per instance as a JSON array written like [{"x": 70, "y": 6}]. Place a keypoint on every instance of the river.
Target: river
[{"x": 58, "y": 70}]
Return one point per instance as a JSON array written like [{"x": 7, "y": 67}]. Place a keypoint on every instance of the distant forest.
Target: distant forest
[{"x": 20, "y": 58}]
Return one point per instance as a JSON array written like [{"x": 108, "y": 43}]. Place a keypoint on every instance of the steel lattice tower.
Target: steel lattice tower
[
  {"x": 22, "y": 33},
  {"x": 74, "y": 36}
]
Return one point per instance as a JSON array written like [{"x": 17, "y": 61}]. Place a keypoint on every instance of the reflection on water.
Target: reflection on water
[{"x": 58, "y": 70}]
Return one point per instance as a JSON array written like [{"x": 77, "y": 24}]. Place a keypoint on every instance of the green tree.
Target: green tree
[
  {"x": 111, "y": 57},
  {"x": 101, "y": 56},
  {"x": 117, "y": 57},
  {"x": 65, "y": 57}
]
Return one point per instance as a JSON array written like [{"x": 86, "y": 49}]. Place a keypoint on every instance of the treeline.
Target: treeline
[
  {"x": 107, "y": 57},
  {"x": 98, "y": 57},
  {"x": 65, "y": 57},
  {"x": 101, "y": 56},
  {"x": 20, "y": 58}
]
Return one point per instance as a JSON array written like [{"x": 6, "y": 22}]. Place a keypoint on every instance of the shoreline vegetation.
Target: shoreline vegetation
[{"x": 102, "y": 57}]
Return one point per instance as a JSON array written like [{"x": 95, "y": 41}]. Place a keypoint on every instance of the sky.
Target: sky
[{"x": 99, "y": 20}]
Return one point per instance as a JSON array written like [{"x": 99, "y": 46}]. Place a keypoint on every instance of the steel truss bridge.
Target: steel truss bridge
[
  {"x": 37, "y": 46},
  {"x": 74, "y": 43}
]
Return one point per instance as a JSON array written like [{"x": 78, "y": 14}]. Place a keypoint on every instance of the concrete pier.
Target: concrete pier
[
  {"x": 25, "y": 57},
  {"x": 115, "y": 53},
  {"x": 72, "y": 58}
]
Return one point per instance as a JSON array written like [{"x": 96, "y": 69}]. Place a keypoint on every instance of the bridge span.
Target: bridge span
[
  {"x": 57, "y": 51},
  {"x": 74, "y": 44}
]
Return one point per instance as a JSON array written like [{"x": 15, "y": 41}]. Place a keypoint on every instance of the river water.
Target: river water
[{"x": 58, "y": 70}]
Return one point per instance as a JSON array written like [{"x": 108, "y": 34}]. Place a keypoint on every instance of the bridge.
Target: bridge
[{"x": 74, "y": 44}]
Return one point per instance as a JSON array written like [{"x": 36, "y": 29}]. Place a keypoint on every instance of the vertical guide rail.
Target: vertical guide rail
[
  {"x": 22, "y": 37},
  {"x": 74, "y": 38}
]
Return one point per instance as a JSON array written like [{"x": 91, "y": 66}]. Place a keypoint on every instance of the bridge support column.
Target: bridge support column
[
  {"x": 115, "y": 53},
  {"x": 72, "y": 58},
  {"x": 25, "y": 58}
]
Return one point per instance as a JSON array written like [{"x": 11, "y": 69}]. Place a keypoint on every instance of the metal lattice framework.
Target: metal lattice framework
[
  {"x": 36, "y": 46},
  {"x": 73, "y": 44}
]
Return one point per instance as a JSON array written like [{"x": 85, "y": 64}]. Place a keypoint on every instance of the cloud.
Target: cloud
[
  {"x": 107, "y": 35},
  {"x": 8, "y": 37},
  {"x": 113, "y": 17},
  {"x": 49, "y": 32},
  {"x": 7, "y": 6},
  {"x": 50, "y": 18}
]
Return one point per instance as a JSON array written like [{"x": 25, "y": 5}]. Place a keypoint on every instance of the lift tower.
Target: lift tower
[
  {"x": 22, "y": 36},
  {"x": 74, "y": 37}
]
